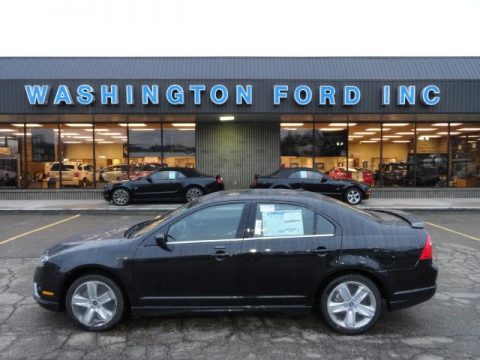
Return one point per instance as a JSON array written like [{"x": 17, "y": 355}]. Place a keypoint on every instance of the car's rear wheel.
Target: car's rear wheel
[
  {"x": 193, "y": 193},
  {"x": 351, "y": 304},
  {"x": 95, "y": 303},
  {"x": 121, "y": 197},
  {"x": 353, "y": 196}
]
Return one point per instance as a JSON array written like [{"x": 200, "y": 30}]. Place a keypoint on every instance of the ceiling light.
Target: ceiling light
[
  {"x": 119, "y": 137},
  {"x": 392, "y": 136},
  {"x": 446, "y": 124},
  {"x": 7, "y": 130},
  {"x": 375, "y": 129},
  {"x": 186, "y": 129},
  {"x": 364, "y": 133},
  {"x": 106, "y": 142},
  {"x": 96, "y": 129},
  {"x": 72, "y": 142},
  {"x": 80, "y": 125},
  {"x": 83, "y": 137},
  {"x": 355, "y": 136},
  {"x": 401, "y": 141},
  {"x": 446, "y": 133},
  {"x": 405, "y": 133},
  {"x": 113, "y": 133},
  {"x": 21, "y": 134},
  {"x": 132, "y": 124},
  {"x": 28, "y": 125},
  {"x": 291, "y": 124},
  {"x": 397, "y": 124},
  {"x": 183, "y": 124},
  {"x": 426, "y": 129},
  {"x": 148, "y": 129},
  {"x": 368, "y": 141},
  {"x": 69, "y": 133},
  {"x": 468, "y": 129},
  {"x": 331, "y": 129},
  {"x": 227, "y": 118}
]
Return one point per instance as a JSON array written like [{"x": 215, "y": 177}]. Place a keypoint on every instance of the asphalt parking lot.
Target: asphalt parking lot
[{"x": 448, "y": 326}]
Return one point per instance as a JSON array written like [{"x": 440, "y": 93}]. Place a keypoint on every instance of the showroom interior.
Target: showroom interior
[{"x": 397, "y": 150}]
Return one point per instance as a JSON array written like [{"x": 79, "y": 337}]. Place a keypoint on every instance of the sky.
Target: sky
[{"x": 239, "y": 28}]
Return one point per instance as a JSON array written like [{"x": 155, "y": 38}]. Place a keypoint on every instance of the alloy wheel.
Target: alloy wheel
[
  {"x": 351, "y": 305},
  {"x": 94, "y": 303},
  {"x": 121, "y": 197},
  {"x": 193, "y": 194},
  {"x": 354, "y": 196}
]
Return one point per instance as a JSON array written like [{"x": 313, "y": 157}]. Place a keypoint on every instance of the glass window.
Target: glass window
[
  {"x": 431, "y": 159},
  {"x": 111, "y": 153},
  {"x": 296, "y": 144},
  {"x": 42, "y": 155},
  {"x": 283, "y": 220},
  {"x": 179, "y": 144},
  {"x": 76, "y": 141},
  {"x": 12, "y": 172},
  {"x": 324, "y": 227},
  {"x": 144, "y": 148},
  {"x": 330, "y": 148},
  {"x": 398, "y": 150},
  {"x": 363, "y": 154},
  {"x": 212, "y": 223},
  {"x": 164, "y": 175},
  {"x": 465, "y": 155}
]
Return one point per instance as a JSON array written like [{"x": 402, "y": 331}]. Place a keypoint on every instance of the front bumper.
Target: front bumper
[
  {"x": 46, "y": 304},
  {"x": 107, "y": 195}
]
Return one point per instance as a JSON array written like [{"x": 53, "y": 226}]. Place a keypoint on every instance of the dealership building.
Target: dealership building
[{"x": 69, "y": 125}]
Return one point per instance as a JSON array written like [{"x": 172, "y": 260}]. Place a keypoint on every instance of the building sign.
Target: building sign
[{"x": 219, "y": 94}]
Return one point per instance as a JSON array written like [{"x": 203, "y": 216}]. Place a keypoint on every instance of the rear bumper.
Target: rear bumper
[{"x": 404, "y": 299}]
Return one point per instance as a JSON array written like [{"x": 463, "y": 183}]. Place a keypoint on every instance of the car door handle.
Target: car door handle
[
  {"x": 221, "y": 255},
  {"x": 320, "y": 251}
]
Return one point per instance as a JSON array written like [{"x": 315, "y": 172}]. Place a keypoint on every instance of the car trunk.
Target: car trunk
[{"x": 397, "y": 217}]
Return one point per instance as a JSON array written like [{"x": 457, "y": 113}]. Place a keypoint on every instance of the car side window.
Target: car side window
[
  {"x": 55, "y": 167},
  {"x": 324, "y": 227},
  {"x": 180, "y": 175},
  {"x": 313, "y": 175},
  {"x": 163, "y": 175},
  {"x": 283, "y": 220},
  {"x": 212, "y": 223},
  {"x": 293, "y": 175}
]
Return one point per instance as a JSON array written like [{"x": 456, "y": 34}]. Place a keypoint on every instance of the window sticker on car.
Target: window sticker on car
[
  {"x": 303, "y": 174},
  {"x": 267, "y": 208},
  {"x": 258, "y": 227},
  {"x": 283, "y": 223},
  {"x": 171, "y": 175}
]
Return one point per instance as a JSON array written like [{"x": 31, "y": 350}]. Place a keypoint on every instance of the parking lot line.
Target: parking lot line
[
  {"x": 453, "y": 231},
  {"x": 38, "y": 229}
]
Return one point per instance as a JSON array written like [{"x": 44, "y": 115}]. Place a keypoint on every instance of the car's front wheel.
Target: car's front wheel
[
  {"x": 193, "y": 193},
  {"x": 95, "y": 303},
  {"x": 353, "y": 196},
  {"x": 121, "y": 197},
  {"x": 351, "y": 304}
]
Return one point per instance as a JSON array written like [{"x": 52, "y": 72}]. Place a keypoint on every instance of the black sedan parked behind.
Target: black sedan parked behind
[
  {"x": 278, "y": 250},
  {"x": 309, "y": 179},
  {"x": 171, "y": 184}
]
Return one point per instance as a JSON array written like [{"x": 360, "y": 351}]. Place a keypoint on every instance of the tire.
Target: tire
[
  {"x": 345, "y": 314},
  {"x": 95, "y": 303},
  {"x": 121, "y": 197},
  {"x": 353, "y": 196},
  {"x": 84, "y": 183},
  {"x": 193, "y": 193}
]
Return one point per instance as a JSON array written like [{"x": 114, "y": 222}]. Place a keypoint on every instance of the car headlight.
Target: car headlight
[{"x": 43, "y": 259}]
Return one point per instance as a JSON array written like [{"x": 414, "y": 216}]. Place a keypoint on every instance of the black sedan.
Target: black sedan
[
  {"x": 309, "y": 179},
  {"x": 251, "y": 250},
  {"x": 180, "y": 184}
]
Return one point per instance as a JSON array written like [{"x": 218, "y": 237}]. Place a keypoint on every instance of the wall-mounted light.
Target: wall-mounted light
[{"x": 227, "y": 118}]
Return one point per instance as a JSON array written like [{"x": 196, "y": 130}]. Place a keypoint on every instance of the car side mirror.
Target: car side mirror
[
  {"x": 324, "y": 179},
  {"x": 161, "y": 240}
]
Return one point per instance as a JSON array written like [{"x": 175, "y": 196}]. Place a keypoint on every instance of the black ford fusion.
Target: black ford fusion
[
  {"x": 351, "y": 191},
  {"x": 251, "y": 250},
  {"x": 180, "y": 184}
]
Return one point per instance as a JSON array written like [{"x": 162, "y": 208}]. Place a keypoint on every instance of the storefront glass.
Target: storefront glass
[
  {"x": 144, "y": 148},
  {"x": 110, "y": 153},
  {"x": 330, "y": 149},
  {"x": 43, "y": 166},
  {"x": 179, "y": 144},
  {"x": 364, "y": 152},
  {"x": 11, "y": 156},
  {"x": 296, "y": 144},
  {"x": 464, "y": 155}
]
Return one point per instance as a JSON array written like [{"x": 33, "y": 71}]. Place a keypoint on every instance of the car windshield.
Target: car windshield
[{"x": 145, "y": 227}]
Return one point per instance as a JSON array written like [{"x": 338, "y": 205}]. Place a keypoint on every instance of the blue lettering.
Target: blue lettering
[
  {"x": 175, "y": 95},
  {"x": 214, "y": 94},
  {"x": 129, "y": 95},
  {"x": 150, "y": 95},
  {"x": 302, "y": 95},
  {"x": 351, "y": 95},
  {"x": 426, "y": 95},
  {"x": 279, "y": 92},
  {"x": 109, "y": 95},
  {"x": 197, "y": 93},
  {"x": 406, "y": 95},
  {"x": 37, "y": 94},
  {"x": 85, "y": 94},
  {"x": 244, "y": 95},
  {"x": 327, "y": 93},
  {"x": 63, "y": 96},
  {"x": 386, "y": 95}
]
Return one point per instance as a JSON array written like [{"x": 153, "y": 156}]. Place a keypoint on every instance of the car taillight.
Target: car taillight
[
  {"x": 76, "y": 174},
  {"x": 218, "y": 179},
  {"x": 427, "y": 252}
]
